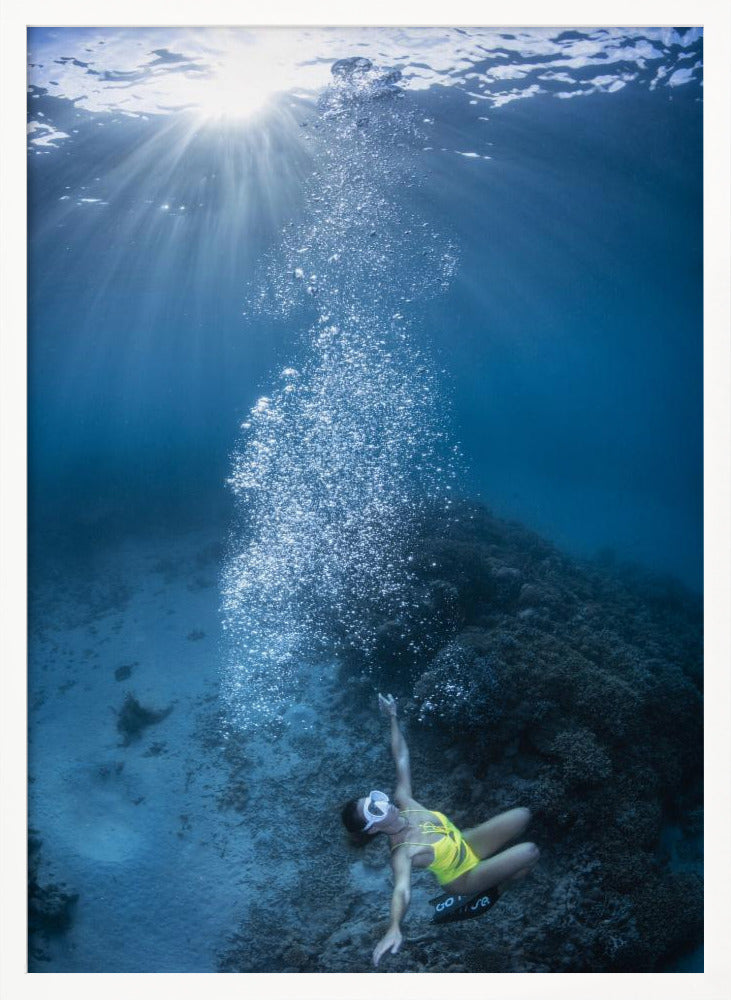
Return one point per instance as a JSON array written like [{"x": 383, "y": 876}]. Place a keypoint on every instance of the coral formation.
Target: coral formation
[
  {"x": 133, "y": 718},
  {"x": 50, "y": 905},
  {"x": 124, "y": 672},
  {"x": 574, "y": 689}
]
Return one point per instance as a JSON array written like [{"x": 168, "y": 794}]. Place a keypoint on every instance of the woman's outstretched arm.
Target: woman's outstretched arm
[
  {"x": 391, "y": 941},
  {"x": 399, "y": 750}
]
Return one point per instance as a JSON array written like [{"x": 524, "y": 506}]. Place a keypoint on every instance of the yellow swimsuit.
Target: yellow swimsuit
[{"x": 452, "y": 854}]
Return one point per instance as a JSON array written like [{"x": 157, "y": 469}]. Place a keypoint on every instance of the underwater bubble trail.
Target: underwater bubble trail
[{"x": 347, "y": 448}]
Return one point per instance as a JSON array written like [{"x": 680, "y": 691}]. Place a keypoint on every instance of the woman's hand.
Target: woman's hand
[
  {"x": 389, "y": 942},
  {"x": 387, "y": 705}
]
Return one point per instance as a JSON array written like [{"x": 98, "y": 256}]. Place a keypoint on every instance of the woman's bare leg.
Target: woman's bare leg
[
  {"x": 518, "y": 877},
  {"x": 487, "y": 838},
  {"x": 513, "y": 863}
]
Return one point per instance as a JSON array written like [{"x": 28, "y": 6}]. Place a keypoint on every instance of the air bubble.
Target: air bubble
[{"x": 332, "y": 477}]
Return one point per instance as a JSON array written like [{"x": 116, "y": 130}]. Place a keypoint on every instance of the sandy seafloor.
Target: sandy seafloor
[
  {"x": 134, "y": 830},
  {"x": 171, "y": 842}
]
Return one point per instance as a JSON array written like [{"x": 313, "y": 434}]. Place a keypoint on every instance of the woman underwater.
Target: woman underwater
[{"x": 464, "y": 863}]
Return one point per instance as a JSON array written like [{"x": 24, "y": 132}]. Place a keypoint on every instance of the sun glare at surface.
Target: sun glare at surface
[
  {"x": 245, "y": 72},
  {"x": 212, "y": 73},
  {"x": 238, "y": 90}
]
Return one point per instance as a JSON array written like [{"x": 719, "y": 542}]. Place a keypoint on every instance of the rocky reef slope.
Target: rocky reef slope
[{"x": 524, "y": 678}]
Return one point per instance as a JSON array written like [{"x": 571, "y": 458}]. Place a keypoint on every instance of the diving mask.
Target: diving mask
[{"x": 375, "y": 808}]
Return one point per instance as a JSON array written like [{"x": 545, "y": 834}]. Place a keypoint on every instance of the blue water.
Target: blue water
[
  {"x": 571, "y": 331},
  {"x": 540, "y": 196}
]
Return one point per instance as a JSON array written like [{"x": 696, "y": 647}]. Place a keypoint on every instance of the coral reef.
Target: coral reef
[
  {"x": 50, "y": 905},
  {"x": 524, "y": 678},
  {"x": 596, "y": 678}
]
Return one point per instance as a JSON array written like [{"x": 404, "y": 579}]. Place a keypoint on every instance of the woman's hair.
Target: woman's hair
[{"x": 353, "y": 822}]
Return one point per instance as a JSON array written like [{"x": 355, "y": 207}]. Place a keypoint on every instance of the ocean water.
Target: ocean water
[{"x": 291, "y": 291}]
